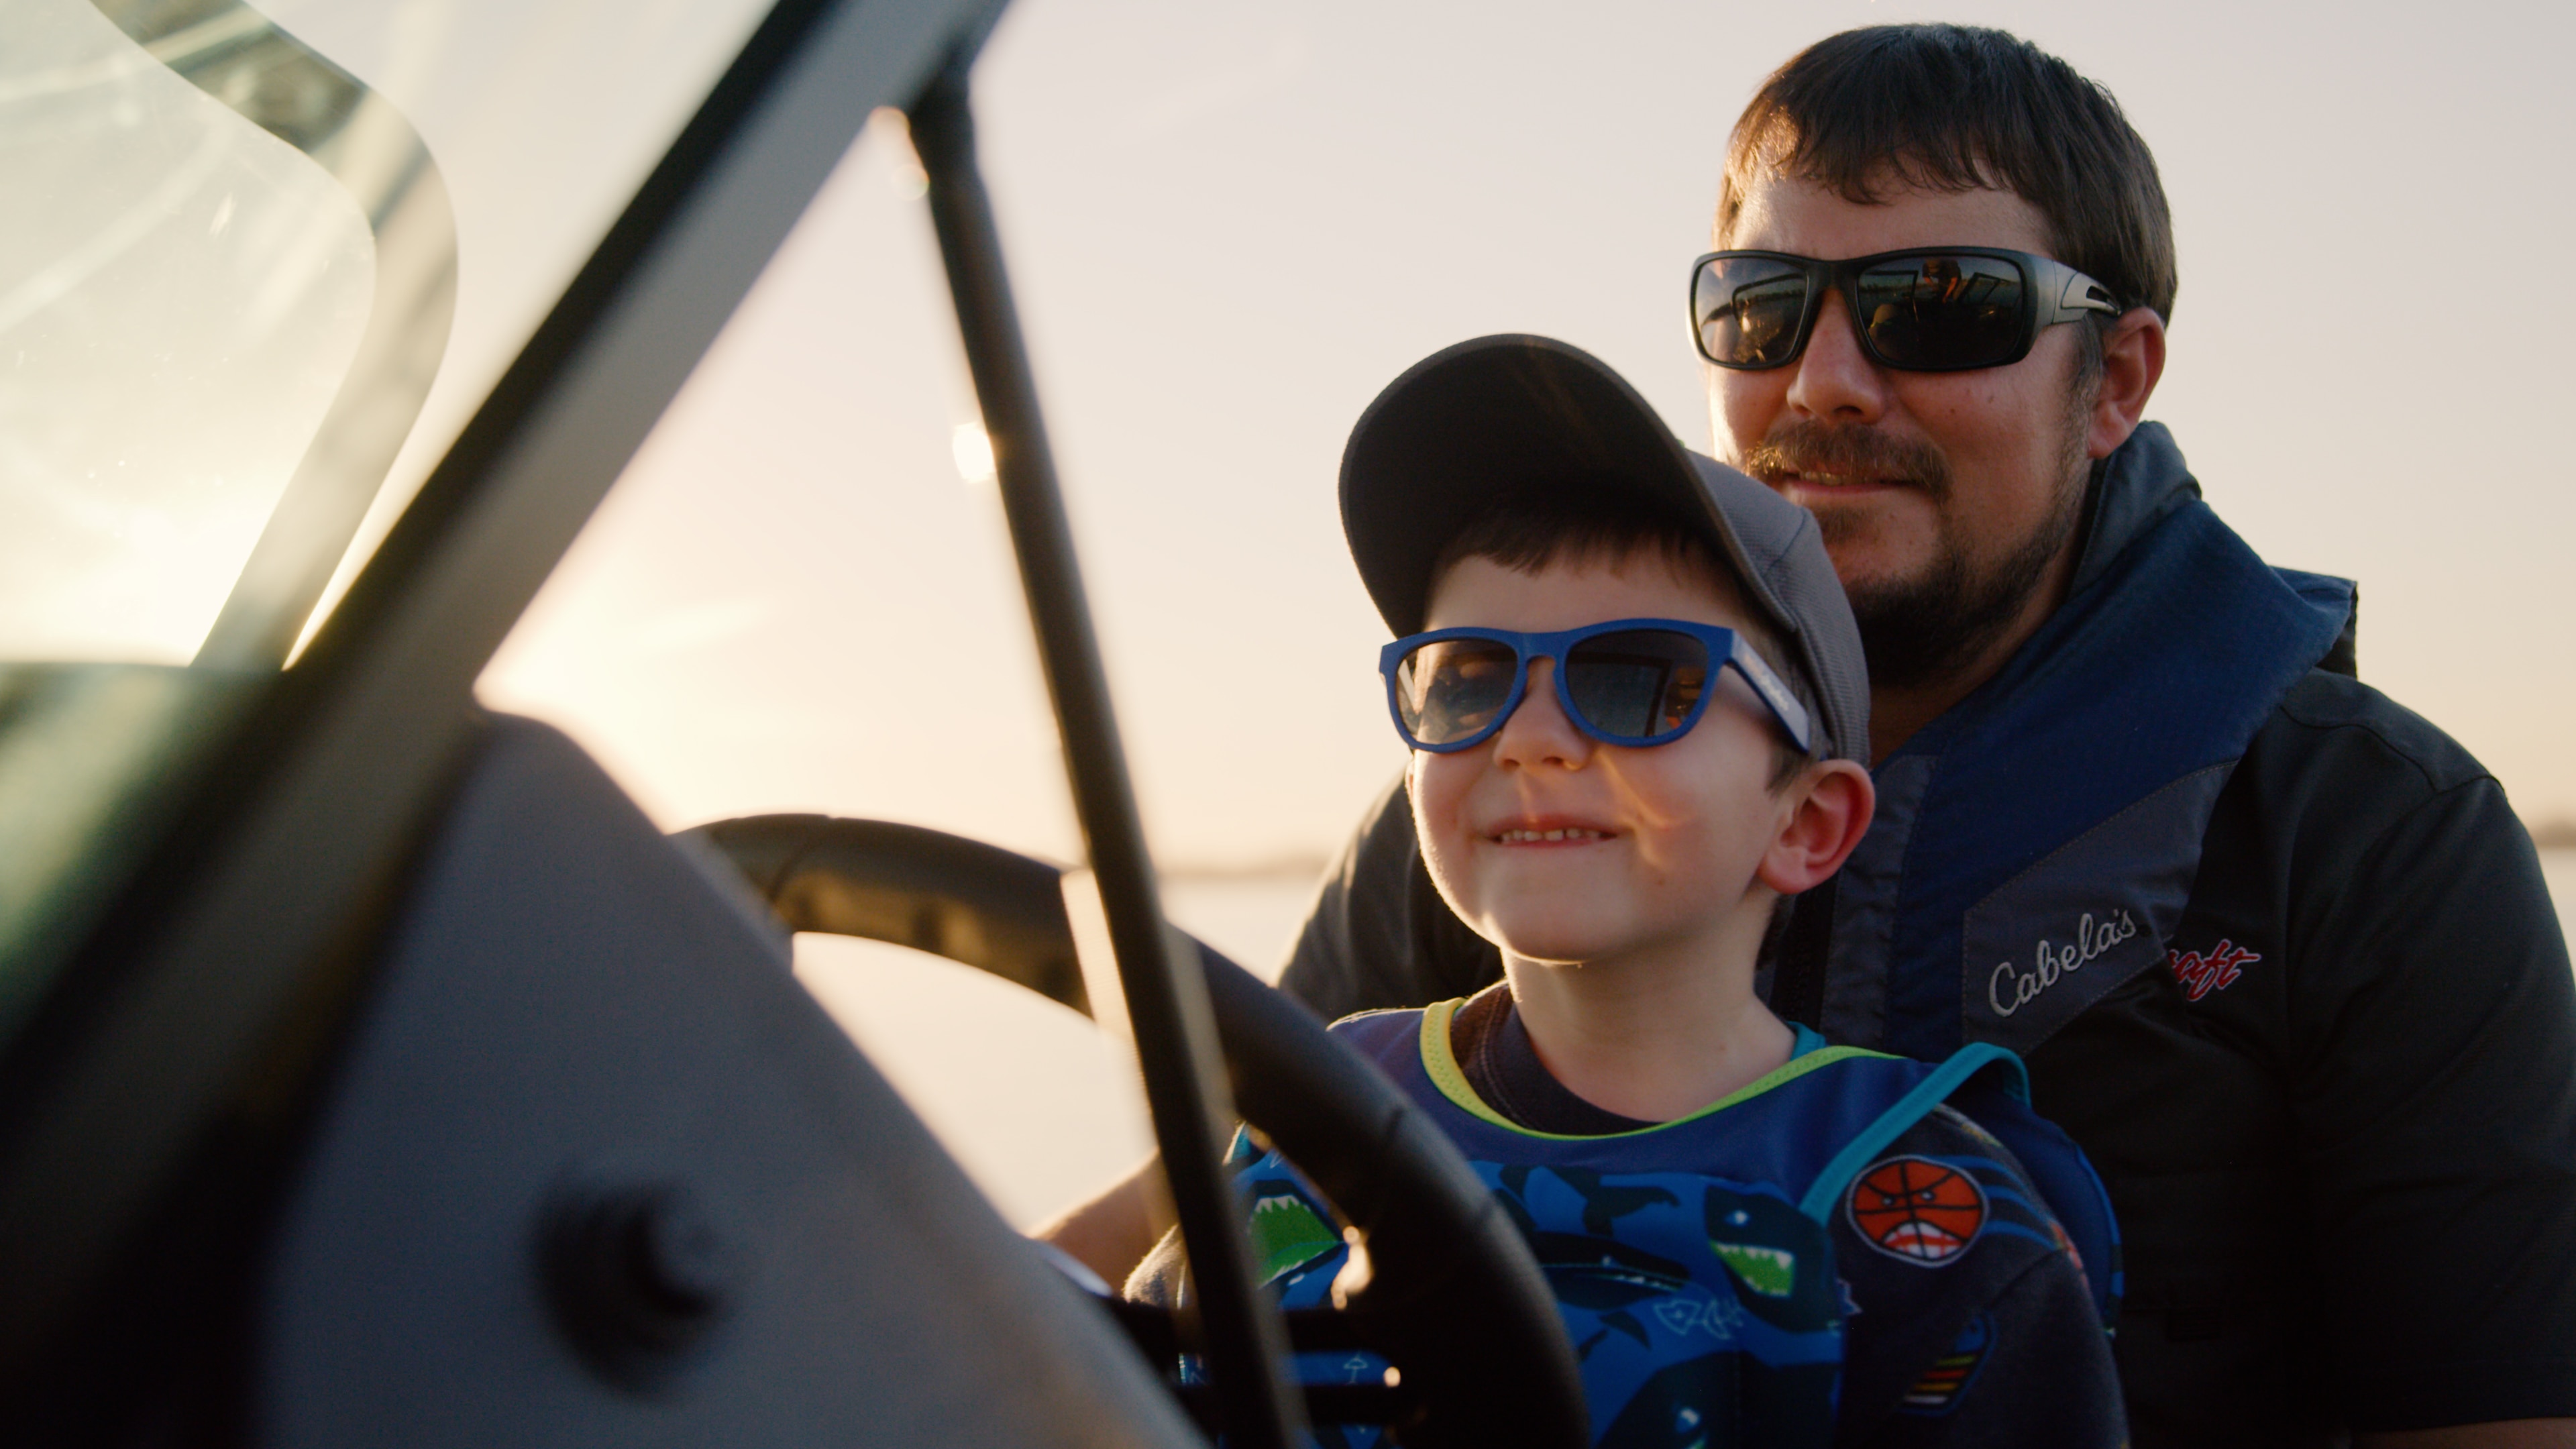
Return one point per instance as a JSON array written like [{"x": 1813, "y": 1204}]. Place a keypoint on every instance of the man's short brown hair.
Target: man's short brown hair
[{"x": 1953, "y": 108}]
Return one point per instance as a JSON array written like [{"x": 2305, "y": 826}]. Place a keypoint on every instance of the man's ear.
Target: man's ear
[
  {"x": 2133, "y": 360},
  {"x": 1830, "y": 809}
]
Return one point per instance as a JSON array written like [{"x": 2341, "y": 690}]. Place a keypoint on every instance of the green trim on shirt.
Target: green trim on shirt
[{"x": 1451, "y": 1079}]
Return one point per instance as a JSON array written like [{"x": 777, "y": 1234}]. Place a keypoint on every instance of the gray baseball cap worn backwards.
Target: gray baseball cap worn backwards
[{"x": 1516, "y": 415}]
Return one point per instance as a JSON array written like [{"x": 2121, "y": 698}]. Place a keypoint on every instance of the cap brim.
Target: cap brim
[{"x": 1495, "y": 417}]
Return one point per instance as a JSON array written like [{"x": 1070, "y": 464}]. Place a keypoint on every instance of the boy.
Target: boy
[{"x": 1635, "y": 701}]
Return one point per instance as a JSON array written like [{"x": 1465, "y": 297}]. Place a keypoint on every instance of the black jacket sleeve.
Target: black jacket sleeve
[
  {"x": 2433, "y": 1074},
  {"x": 1380, "y": 937},
  {"x": 2340, "y": 1126}
]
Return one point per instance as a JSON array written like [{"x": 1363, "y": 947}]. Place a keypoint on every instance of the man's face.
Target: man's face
[
  {"x": 1559, "y": 848},
  {"x": 1945, "y": 497}
]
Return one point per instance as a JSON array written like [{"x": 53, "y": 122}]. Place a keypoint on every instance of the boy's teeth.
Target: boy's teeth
[{"x": 1516, "y": 837}]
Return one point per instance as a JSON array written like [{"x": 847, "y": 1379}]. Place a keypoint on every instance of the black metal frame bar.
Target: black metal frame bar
[{"x": 1167, "y": 1001}]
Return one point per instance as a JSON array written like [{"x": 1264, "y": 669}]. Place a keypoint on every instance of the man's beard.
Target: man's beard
[{"x": 1929, "y": 627}]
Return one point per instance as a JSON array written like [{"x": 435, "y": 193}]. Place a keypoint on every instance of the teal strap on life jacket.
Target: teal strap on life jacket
[{"x": 1911, "y": 1108}]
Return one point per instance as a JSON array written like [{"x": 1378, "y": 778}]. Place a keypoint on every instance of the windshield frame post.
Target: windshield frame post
[{"x": 1174, "y": 1027}]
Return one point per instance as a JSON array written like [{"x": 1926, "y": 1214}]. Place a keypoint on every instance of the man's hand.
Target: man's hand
[
  {"x": 1113, "y": 1232},
  {"x": 2507, "y": 1434}
]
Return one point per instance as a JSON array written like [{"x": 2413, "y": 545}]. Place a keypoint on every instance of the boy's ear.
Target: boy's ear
[{"x": 1829, "y": 811}]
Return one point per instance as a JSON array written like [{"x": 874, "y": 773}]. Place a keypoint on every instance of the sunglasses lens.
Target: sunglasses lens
[
  {"x": 1447, "y": 690},
  {"x": 1747, "y": 310},
  {"x": 1637, "y": 684},
  {"x": 1944, "y": 312}
]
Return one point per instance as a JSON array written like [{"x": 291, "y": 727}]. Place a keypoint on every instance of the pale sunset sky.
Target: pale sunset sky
[{"x": 1231, "y": 223}]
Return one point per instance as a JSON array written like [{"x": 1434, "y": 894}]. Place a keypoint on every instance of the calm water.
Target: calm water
[{"x": 1032, "y": 1099}]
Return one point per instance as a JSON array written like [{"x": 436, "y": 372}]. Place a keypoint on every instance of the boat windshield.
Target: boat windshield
[{"x": 262, "y": 264}]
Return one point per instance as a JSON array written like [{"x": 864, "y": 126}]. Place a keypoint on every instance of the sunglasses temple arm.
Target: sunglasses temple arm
[
  {"x": 1775, "y": 696},
  {"x": 2078, "y": 296}
]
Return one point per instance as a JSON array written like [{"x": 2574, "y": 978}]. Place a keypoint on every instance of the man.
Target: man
[{"x": 2278, "y": 952}]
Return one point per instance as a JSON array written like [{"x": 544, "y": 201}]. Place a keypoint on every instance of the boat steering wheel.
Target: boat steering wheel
[{"x": 1453, "y": 1297}]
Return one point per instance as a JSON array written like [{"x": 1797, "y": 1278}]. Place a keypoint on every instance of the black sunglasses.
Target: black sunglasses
[{"x": 1924, "y": 309}]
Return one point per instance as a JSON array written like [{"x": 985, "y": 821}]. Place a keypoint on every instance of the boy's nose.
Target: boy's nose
[{"x": 1538, "y": 733}]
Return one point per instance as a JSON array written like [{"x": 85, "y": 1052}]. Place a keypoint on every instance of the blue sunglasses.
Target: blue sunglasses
[{"x": 1624, "y": 682}]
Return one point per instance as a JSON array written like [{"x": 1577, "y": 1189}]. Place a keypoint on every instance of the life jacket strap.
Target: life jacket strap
[{"x": 1909, "y": 1109}]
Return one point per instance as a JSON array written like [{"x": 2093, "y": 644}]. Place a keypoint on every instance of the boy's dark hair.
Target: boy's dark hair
[
  {"x": 1952, "y": 108},
  {"x": 1528, "y": 532}
]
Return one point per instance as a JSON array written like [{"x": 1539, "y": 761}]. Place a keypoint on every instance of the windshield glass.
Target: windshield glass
[
  {"x": 266, "y": 263},
  {"x": 184, "y": 299},
  {"x": 261, "y": 265}
]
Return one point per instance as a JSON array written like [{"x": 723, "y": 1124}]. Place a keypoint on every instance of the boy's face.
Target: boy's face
[{"x": 1559, "y": 848}]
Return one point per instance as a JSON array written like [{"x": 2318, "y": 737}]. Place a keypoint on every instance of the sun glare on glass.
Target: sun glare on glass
[{"x": 973, "y": 452}]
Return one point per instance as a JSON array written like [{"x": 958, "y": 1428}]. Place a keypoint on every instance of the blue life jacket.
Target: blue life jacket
[{"x": 1693, "y": 1260}]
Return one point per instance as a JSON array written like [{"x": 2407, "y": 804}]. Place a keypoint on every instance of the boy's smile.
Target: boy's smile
[{"x": 1562, "y": 849}]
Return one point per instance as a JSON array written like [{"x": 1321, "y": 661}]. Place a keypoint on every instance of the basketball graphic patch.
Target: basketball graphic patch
[{"x": 1916, "y": 1209}]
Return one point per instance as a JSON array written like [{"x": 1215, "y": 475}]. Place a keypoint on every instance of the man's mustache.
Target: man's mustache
[{"x": 1805, "y": 446}]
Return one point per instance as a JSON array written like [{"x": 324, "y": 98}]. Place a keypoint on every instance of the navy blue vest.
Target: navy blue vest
[{"x": 2035, "y": 844}]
